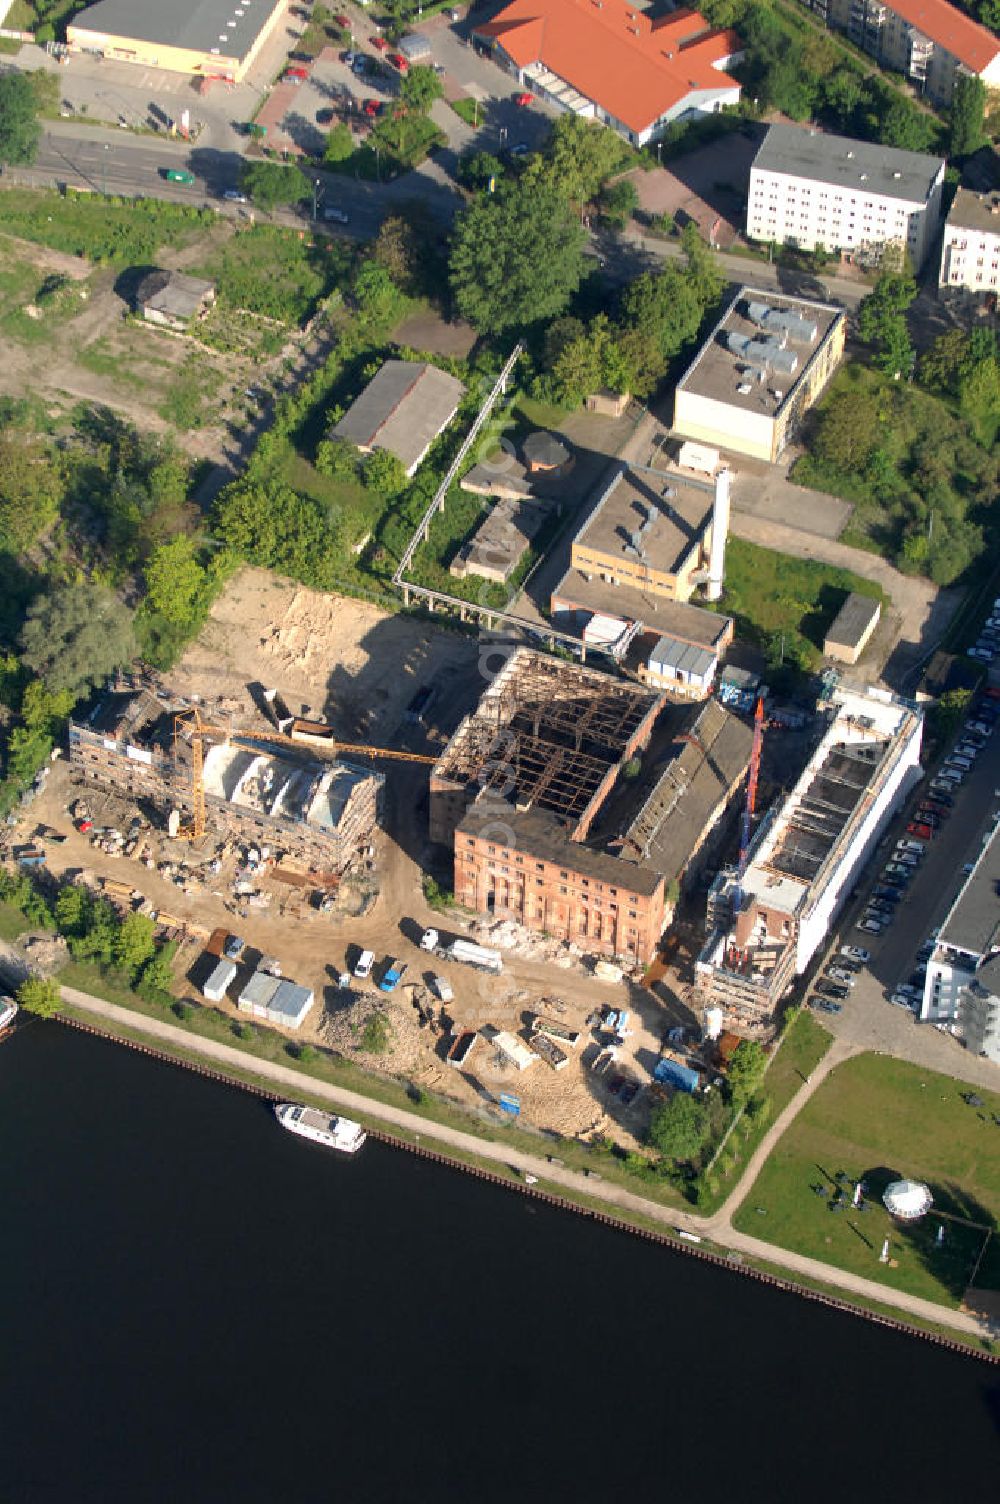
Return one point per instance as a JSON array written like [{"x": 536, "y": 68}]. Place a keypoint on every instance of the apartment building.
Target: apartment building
[
  {"x": 970, "y": 254},
  {"x": 866, "y": 201},
  {"x": 928, "y": 41}
]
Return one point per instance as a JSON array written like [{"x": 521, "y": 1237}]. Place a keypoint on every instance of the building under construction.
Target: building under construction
[
  {"x": 766, "y": 921},
  {"x": 223, "y": 774},
  {"x": 576, "y": 803}
]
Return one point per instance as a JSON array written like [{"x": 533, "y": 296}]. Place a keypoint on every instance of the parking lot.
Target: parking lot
[{"x": 867, "y": 1016}]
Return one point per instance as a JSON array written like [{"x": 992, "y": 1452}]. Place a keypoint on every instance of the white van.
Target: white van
[{"x": 365, "y": 962}]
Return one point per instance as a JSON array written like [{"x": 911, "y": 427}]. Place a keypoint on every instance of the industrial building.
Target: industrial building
[
  {"x": 573, "y": 812},
  {"x": 970, "y": 253},
  {"x": 603, "y": 60},
  {"x": 928, "y": 41},
  {"x": 767, "y": 918},
  {"x": 811, "y": 190},
  {"x": 851, "y": 629},
  {"x": 403, "y": 409},
  {"x": 502, "y": 539},
  {"x": 761, "y": 369},
  {"x": 962, "y": 986},
  {"x": 205, "y": 38},
  {"x": 652, "y": 539},
  {"x": 252, "y": 785}
]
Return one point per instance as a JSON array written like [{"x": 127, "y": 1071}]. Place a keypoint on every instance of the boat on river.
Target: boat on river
[
  {"x": 8, "y": 1012},
  {"x": 321, "y": 1127}
]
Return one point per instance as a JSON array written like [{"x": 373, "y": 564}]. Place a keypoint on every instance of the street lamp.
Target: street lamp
[
  {"x": 315, "y": 196},
  {"x": 503, "y": 135},
  {"x": 104, "y": 169}
]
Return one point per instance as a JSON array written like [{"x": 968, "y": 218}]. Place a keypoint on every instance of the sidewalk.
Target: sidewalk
[{"x": 613, "y": 1195}]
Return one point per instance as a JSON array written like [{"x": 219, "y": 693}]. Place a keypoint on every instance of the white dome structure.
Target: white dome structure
[{"x": 907, "y": 1200}]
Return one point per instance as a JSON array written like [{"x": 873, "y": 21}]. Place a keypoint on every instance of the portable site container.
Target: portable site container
[{"x": 219, "y": 982}]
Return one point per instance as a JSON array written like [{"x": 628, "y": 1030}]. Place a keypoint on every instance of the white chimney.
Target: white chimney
[{"x": 720, "y": 531}]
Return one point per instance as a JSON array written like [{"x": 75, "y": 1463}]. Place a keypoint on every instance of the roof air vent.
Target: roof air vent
[
  {"x": 897, "y": 175},
  {"x": 850, "y": 155}
]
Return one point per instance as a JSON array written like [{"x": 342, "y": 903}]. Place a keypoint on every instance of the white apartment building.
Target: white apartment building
[
  {"x": 970, "y": 255},
  {"x": 928, "y": 41},
  {"x": 809, "y": 189},
  {"x": 962, "y": 987}
]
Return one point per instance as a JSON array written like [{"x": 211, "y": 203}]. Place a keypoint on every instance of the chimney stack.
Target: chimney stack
[{"x": 720, "y": 531}]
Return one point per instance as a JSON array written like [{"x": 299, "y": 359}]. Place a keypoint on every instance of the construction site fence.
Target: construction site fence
[{"x": 732, "y": 1262}]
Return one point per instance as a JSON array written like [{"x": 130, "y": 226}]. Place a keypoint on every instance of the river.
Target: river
[{"x": 198, "y": 1306}]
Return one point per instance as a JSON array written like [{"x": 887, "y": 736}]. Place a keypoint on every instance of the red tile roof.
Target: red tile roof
[
  {"x": 951, "y": 29},
  {"x": 633, "y": 68}
]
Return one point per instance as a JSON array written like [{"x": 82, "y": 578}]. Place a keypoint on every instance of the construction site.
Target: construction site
[
  {"x": 578, "y": 805},
  {"x": 767, "y": 917}
]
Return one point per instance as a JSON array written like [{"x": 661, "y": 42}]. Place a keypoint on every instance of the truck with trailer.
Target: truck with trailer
[{"x": 479, "y": 956}]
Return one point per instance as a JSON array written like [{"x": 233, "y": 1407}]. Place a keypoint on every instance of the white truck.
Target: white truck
[{"x": 479, "y": 956}]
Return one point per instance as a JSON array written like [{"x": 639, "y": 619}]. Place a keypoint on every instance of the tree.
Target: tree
[
  {"x": 578, "y": 157},
  {"x": 276, "y": 527},
  {"x": 270, "y": 184},
  {"x": 76, "y": 635},
  {"x": 747, "y": 1065},
  {"x": 337, "y": 458},
  {"x": 882, "y": 322},
  {"x": 619, "y": 201},
  {"x": 20, "y": 131},
  {"x": 679, "y": 1128},
  {"x": 376, "y": 293},
  {"x": 30, "y": 491},
  {"x": 375, "y": 1036},
  {"x": 516, "y": 258},
  {"x": 419, "y": 89},
  {"x": 176, "y": 581},
  {"x": 39, "y": 995},
  {"x": 382, "y": 471},
  {"x": 477, "y": 169},
  {"x": 398, "y": 252},
  {"x": 965, "y": 118},
  {"x": 664, "y": 306},
  {"x": 134, "y": 943},
  {"x": 703, "y": 273},
  {"x": 157, "y": 975},
  {"x": 339, "y": 144}
]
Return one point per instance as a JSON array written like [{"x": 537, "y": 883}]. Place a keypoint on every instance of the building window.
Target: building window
[
  {"x": 562, "y": 890},
  {"x": 492, "y": 850},
  {"x": 539, "y": 866}
]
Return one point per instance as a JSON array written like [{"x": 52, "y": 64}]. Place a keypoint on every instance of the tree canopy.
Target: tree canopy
[
  {"x": 882, "y": 322},
  {"x": 39, "y": 995},
  {"x": 30, "y": 490},
  {"x": 339, "y": 144},
  {"x": 176, "y": 581},
  {"x": 270, "y": 184},
  {"x": 965, "y": 118},
  {"x": 578, "y": 157},
  {"x": 20, "y": 131},
  {"x": 516, "y": 258},
  {"x": 746, "y": 1069},
  {"x": 419, "y": 89},
  {"x": 76, "y": 635},
  {"x": 679, "y": 1128}
]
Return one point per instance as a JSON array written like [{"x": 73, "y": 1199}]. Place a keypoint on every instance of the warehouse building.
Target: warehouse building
[
  {"x": 962, "y": 986},
  {"x": 766, "y": 923},
  {"x": 318, "y": 811},
  {"x": 851, "y": 629},
  {"x": 810, "y": 190},
  {"x": 206, "y": 38},
  {"x": 554, "y": 819},
  {"x": 403, "y": 409},
  {"x": 759, "y": 372}
]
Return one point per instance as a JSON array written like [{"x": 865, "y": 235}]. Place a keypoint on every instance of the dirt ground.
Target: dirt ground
[
  {"x": 342, "y": 660},
  {"x": 429, "y": 331}
]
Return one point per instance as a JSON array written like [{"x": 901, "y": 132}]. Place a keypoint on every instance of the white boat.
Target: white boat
[
  {"x": 336, "y": 1133},
  {"x": 8, "y": 1011}
]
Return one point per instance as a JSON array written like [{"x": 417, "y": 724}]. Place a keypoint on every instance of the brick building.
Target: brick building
[{"x": 549, "y": 824}]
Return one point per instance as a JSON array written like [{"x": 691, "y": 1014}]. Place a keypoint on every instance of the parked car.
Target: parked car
[
  {"x": 363, "y": 965},
  {"x": 901, "y": 1001},
  {"x": 908, "y": 859},
  {"x": 830, "y": 989},
  {"x": 179, "y": 175},
  {"x": 967, "y": 749},
  {"x": 520, "y": 150},
  {"x": 882, "y": 908},
  {"x": 234, "y": 196},
  {"x": 913, "y": 846},
  {"x": 399, "y": 61},
  {"x": 380, "y": 44},
  {"x": 856, "y": 953},
  {"x": 943, "y": 786},
  {"x": 917, "y": 828},
  {"x": 898, "y": 869},
  {"x": 891, "y": 895},
  {"x": 344, "y": 22},
  {"x": 932, "y": 809},
  {"x": 524, "y": 99},
  {"x": 908, "y": 989},
  {"x": 828, "y": 1007},
  {"x": 847, "y": 963},
  {"x": 841, "y": 974},
  {"x": 956, "y": 760},
  {"x": 337, "y": 216},
  {"x": 869, "y": 926},
  {"x": 983, "y": 654},
  {"x": 233, "y": 947}
]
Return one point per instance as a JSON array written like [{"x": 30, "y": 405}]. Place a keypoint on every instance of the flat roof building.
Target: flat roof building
[
  {"x": 761, "y": 369},
  {"x": 502, "y": 539},
  {"x": 549, "y": 830},
  {"x": 852, "y": 628},
  {"x": 766, "y": 923},
  {"x": 809, "y": 189},
  {"x": 962, "y": 985},
  {"x": 403, "y": 409},
  {"x": 608, "y": 62},
  {"x": 970, "y": 252},
  {"x": 206, "y": 38}
]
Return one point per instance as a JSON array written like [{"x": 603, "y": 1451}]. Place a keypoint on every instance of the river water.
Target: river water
[{"x": 198, "y": 1306}]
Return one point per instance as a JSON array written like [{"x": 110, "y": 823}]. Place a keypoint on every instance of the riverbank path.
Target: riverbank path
[{"x": 717, "y": 1227}]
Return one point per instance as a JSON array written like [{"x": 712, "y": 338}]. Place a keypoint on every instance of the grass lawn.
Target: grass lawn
[
  {"x": 801, "y": 1050},
  {"x": 275, "y": 272},
  {"x": 358, "y": 511},
  {"x": 121, "y": 232},
  {"x": 419, "y": 138},
  {"x": 468, "y": 110},
  {"x": 774, "y": 595},
  {"x": 878, "y": 1118}
]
